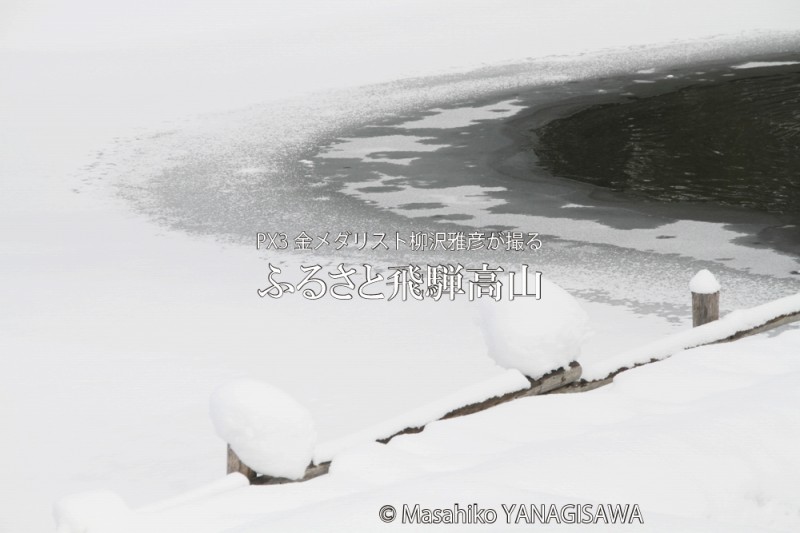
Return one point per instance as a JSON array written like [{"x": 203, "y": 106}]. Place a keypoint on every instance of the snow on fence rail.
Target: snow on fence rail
[
  {"x": 708, "y": 329},
  {"x": 504, "y": 388},
  {"x": 733, "y": 326}
]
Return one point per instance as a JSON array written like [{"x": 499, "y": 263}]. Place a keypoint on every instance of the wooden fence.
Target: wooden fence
[{"x": 705, "y": 309}]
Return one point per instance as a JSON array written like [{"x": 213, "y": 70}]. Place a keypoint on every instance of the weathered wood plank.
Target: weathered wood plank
[
  {"x": 311, "y": 472},
  {"x": 583, "y": 386},
  {"x": 548, "y": 382},
  {"x": 236, "y": 465},
  {"x": 771, "y": 324},
  {"x": 544, "y": 385}
]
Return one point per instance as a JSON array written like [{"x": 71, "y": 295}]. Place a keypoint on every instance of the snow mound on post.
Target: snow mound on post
[
  {"x": 535, "y": 336},
  {"x": 269, "y": 431},
  {"x": 704, "y": 282}
]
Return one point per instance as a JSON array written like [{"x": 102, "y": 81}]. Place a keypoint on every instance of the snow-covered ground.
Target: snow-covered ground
[
  {"x": 115, "y": 330},
  {"x": 705, "y": 441}
]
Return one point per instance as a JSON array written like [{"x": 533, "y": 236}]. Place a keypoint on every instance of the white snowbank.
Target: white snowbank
[
  {"x": 535, "y": 336},
  {"x": 510, "y": 381},
  {"x": 226, "y": 484},
  {"x": 272, "y": 433},
  {"x": 723, "y": 328},
  {"x": 704, "y": 282},
  {"x": 706, "y": 441},
  {"x": 89, "y": 511}
]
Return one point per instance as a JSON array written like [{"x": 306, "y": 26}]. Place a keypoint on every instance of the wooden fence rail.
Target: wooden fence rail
[{"x": 705, "y": 309}]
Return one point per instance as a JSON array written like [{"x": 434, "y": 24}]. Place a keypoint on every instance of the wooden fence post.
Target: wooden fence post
[
  {"x": 705, "y": 298},
  {"x": 236, "y": 465}
]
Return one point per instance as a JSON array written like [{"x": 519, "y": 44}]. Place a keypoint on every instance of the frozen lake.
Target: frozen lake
[{"x": 148, "y": 145}]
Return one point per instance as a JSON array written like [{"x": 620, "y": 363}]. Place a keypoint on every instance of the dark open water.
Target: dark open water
[{"x": 735, "y": 143}]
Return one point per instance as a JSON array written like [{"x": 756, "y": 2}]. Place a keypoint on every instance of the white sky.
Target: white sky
[
  {"x": 82, "y": 24},
  {"x": 114, "y": 23}
]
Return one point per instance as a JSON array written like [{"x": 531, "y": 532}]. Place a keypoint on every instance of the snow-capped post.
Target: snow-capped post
[
  {"x": 536, "y": 336},
  {"x": 268, "y": 433},
  {"x": 705, "y": 298}
]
